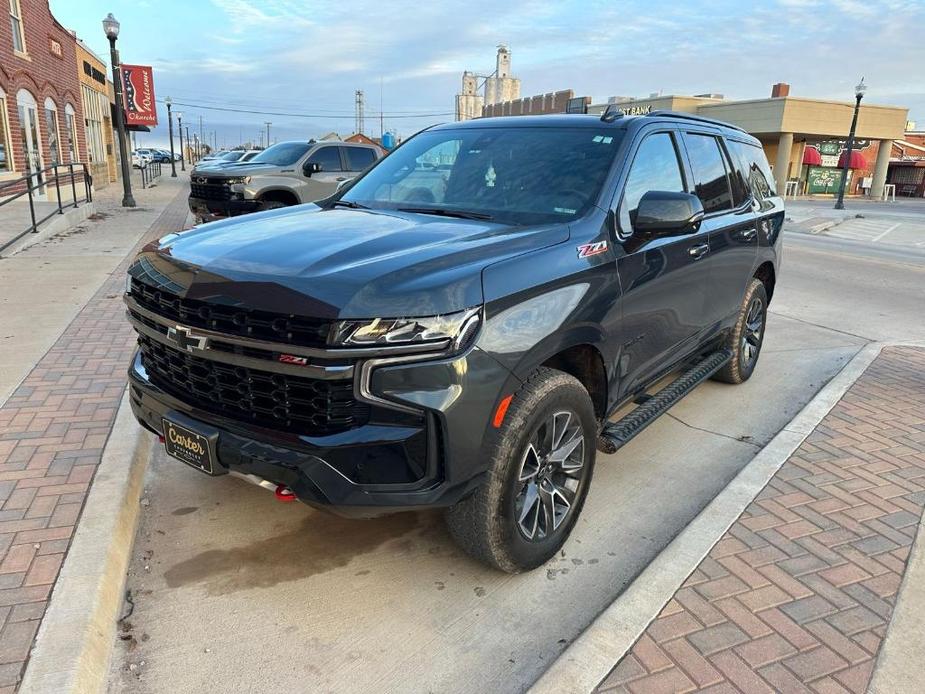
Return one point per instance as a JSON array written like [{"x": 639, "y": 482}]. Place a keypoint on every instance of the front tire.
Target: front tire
[
  {"x": 541, "y": 462},
  {"x": 746, "y": 338},
  {"x": 271, "y": 205}
]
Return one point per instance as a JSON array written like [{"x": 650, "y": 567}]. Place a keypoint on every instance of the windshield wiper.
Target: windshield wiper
[
  {"x": 349, "y": 203},
  {"x": 441, "y": 212}
]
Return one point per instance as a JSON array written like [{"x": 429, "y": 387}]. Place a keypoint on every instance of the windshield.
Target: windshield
[
  {"x": 522, "y": 175},
  {"x": 232, "y": 156},
  {"x": 282, "y": 154}
]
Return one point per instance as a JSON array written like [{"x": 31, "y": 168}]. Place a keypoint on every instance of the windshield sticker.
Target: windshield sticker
[
  {"x": 603, "y": 139},
  {"x": 564, "y": 210}
]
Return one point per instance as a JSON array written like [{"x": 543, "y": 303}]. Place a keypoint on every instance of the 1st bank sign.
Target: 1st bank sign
[{"x": 138, "y": 94}]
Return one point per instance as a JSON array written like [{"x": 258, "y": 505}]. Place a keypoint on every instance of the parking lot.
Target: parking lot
[
  {"x": 261, "y": 590},
  {"x": 900, "y": 223}
]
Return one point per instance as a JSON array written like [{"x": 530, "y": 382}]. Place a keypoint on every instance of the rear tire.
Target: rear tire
[
  {"x": 746, "y": 338},
  {"x": 541, "y": 463},
  {"x": 271, "y": 205}
]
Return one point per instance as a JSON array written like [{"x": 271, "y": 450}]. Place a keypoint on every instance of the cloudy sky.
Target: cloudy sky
[{"x": 302, "y": 60}]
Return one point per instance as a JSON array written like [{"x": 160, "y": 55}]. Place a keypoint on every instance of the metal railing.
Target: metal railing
[
  {"x": 44, "y": 179},
  {"x": 149, "y": 172}
]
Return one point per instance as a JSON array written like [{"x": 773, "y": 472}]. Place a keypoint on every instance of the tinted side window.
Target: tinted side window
[
  {"x": 738, "y": 177},
  {"x": 655, "y": 167},
  {"x": 759, "y": 172},
  {"x": 358, "y": 158},
  {"x": 328, "y": 157},
  {"x": 710, "y": 182}
]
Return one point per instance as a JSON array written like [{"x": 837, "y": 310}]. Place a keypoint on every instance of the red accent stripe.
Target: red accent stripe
[{"x": 501, "y": 411}]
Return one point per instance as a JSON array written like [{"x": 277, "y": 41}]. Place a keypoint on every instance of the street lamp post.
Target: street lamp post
[
  {"x": 182, "y": 153},
  {"x": 173, "y": 165},
  {"x": 858, "y": 95},
  {"x": 111, "y": 27}
]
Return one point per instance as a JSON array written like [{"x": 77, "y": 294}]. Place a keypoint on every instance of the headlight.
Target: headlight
[
  {"x": 456, "y": 328},
  {"x": 237, "y": 179}
]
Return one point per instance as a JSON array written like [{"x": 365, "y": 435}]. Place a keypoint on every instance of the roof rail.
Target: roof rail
[{"x": 691, "y": 116}]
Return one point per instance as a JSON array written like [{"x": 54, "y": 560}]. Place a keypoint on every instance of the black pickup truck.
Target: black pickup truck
[{"x": 457, "y": 326}]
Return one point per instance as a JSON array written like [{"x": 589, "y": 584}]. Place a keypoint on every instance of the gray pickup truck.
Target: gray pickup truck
[{"x": 288, "y": 173}]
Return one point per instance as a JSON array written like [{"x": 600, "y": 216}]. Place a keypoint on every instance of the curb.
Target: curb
[
  {"x": 590, "y": 658},
  {"x": 73, "y": 647}
]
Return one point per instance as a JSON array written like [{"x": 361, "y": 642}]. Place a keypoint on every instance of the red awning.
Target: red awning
[
  {"x": 857, "y": 161},
  {"x": 811, "y": 157}
]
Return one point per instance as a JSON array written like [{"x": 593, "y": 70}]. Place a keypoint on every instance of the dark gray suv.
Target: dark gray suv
[{"x": 457, "y": 326}]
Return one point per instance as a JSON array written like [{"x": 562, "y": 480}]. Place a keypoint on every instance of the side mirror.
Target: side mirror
[
  {"x": 311, "y": 167},
  {"x": 663, "y": 213}
]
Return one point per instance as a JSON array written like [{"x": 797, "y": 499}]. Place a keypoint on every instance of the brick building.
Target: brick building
[{"x": 41, "y": 116}]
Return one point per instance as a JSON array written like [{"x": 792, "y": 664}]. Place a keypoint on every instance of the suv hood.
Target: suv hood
[{"x": 338, "y": 263}]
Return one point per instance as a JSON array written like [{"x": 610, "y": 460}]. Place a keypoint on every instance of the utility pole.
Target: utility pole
[
  {"x": 359, "y": 125},
  {"x": 199, "y": 144},
  {"x": 381, "y": 115},
  {"x": 268, "y": 124}
]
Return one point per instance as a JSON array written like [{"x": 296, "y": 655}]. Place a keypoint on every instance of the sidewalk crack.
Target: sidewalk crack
[{"x": 715, "y": 433}]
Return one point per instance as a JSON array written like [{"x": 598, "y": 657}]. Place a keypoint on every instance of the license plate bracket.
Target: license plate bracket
[{"x": 192, "y": 443}]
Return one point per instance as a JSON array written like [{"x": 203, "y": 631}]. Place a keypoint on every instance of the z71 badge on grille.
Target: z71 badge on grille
[{"x": 589, "y": 249}]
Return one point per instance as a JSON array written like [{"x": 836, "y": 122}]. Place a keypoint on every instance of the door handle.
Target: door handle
[
  {"x": 698, "y": 251},
  {"x": 340, "y": 178},
  {"x": 748, "y": 234}
]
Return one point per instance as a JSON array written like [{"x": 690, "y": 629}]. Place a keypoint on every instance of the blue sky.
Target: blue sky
[{"x": 309, "y": 56}]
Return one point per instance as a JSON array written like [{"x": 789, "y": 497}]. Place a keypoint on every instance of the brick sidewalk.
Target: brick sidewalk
[
  {"x": 797, "y": 595},
  {"x": 52, "y": 432}
]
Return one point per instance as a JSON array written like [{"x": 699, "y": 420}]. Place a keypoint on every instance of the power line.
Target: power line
[
  {"x": 223, "y": 101},
  {"x": 300, "y": 115}
]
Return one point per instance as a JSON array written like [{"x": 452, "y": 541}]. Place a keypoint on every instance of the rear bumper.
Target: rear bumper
[{"x": 425, "y": 457}]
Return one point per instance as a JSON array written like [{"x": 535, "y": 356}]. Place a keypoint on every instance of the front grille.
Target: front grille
[
  {"x": 210, "y": 191},
  {"x": 277, "y": 401},
  {"x": 261, "y": 325}
]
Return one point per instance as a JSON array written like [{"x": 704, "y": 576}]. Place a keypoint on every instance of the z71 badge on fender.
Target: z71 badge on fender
[{"x": 588, "y": 249}]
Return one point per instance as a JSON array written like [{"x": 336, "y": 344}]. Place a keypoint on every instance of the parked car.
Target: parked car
[
  {"x": 141, "y": 158},
  {"x": 462, "y": 343},
  {"x": 236, "y": 156},
  {"x": 155, "y": 155},
  {"x": 288, "y": 173}
]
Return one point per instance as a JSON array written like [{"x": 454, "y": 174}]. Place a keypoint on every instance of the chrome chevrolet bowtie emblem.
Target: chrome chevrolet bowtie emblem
[{"x": 184, "y": 339}]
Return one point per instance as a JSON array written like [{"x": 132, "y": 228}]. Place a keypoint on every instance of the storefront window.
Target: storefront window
[
  {"x": 6, "y": 153},
  {"x": 71, "y": 132},
  {"x": 51, "y": 127},
  {"x": 93, "y": 119}
]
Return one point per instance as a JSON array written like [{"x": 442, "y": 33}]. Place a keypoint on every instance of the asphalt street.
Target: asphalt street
[{"x": 231, "y": 586}]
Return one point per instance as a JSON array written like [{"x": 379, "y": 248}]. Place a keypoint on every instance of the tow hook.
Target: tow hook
[{"x": 284, "y": 493}]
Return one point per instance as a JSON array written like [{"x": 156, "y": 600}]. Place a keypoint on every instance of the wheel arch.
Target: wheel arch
[
  {"x": 586, "y": 364},
  {"x": 766, "y": 274},
  {"x": 279, "y": 195}
]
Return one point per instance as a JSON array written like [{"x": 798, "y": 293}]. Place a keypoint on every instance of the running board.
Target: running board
[{"x": 617, "y": 434}]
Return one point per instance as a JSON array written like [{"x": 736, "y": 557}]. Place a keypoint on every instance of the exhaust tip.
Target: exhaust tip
[{"x": 284, "y": 493}]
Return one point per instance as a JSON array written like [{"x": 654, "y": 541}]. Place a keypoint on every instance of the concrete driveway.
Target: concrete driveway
[{"x": 236, "y": 591}]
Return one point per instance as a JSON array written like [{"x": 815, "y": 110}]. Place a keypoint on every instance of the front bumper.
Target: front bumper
[
  {"x": 210, "y": 210},
  {"x": 423, "y": 452}
]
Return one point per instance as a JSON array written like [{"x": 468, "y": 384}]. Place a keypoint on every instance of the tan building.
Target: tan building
[
  {"x": 496, "y": 88},
  {"x": 788, "y": 125},
  {"x": 97, "y": 98}
]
